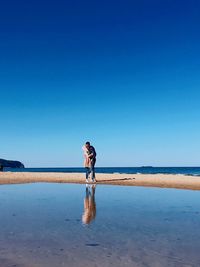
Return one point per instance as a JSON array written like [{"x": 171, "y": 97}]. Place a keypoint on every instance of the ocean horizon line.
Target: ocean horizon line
[{"x": 59, "y": 167}]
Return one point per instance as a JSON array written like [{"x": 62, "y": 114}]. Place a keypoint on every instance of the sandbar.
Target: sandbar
[{"x": 152, "y": 180}]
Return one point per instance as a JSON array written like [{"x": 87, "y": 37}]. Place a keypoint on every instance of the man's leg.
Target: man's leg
[
  {"x": 87, "y": 173},
  {"x": 92, "y": 170}
]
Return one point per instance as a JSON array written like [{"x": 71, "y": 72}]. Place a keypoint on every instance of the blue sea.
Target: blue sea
[{"x": 193, "y": 171}]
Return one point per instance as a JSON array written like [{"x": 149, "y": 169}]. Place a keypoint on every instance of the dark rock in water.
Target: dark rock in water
[
  {"x": 11, "y": 164},
  {"x": 92, "y": 245},
  {"x": 1, "y": 168}
]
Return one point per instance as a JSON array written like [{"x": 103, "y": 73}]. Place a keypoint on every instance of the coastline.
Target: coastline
[{"x": 178, "y": 181}]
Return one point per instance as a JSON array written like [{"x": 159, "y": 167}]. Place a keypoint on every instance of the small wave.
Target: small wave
[{"x": 192, "y": 174}]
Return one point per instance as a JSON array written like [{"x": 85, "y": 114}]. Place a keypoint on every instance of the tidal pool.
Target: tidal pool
[{"x": 54, "y": 225}]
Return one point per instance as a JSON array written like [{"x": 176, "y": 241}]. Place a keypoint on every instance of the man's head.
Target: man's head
[{"x": 87, "y": 145}]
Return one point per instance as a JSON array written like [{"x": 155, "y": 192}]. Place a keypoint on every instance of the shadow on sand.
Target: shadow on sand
[{"x": 116, "y": 180}]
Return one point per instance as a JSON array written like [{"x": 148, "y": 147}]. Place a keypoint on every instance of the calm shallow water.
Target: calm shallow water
[{"x": 44, "y": 225}]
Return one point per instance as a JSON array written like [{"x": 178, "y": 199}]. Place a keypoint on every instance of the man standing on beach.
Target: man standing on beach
[{"x": 90, "y": 160}]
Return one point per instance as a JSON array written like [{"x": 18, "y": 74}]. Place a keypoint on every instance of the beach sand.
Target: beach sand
[{"x": 152, "y": 180}]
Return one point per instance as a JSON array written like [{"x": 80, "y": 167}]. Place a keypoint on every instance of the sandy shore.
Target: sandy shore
[{"x": 153, "y": 180}]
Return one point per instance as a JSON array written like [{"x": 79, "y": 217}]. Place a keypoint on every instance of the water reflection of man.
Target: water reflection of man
[{"x": 89, "y": 213}]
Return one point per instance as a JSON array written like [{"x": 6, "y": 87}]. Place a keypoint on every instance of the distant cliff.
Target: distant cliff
[{"x": 11, "y": 163}]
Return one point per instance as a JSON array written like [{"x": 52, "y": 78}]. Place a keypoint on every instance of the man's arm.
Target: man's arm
[
  {"x": 93, "y": 153},
  {"x": 90, "y": 155}
]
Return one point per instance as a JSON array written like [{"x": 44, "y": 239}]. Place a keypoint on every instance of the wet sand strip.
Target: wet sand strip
[{"x": 152, "y": 180}]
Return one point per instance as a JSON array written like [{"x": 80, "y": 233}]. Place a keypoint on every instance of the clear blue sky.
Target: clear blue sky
[{"x": 123, "y": 74}]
